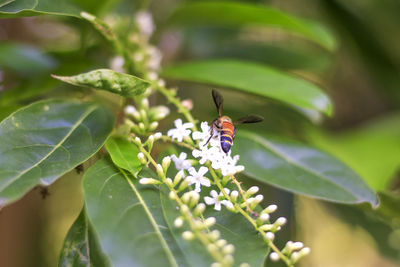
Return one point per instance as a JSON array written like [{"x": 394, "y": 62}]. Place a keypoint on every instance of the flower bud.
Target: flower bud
[
  {"x": 172, "y": 195},
  {"x": 230, "y": 206},
  {"x": 264, "y": 217},
  {"x": 281, "y": 221},
  {"x": 186, "y": 197},
  {"x": 244, "y": 264},
  {"x": 228, "y": 249},
  {"x": 178, "y": 177},
  {"x": 141, "y": 126},
  {"x": 157, "y": 135},
  {"x": 142, "y": 158},
  {"x": 266, "y": 227},
  {"x": 165, "y": 163},
  {"x": 297, "y": 245},
  {"x": 160, "y": 170},
  {"x": 184, "y": 209},
  {"x": 129, "y": 110},
  {"x": 295, "y": 256},
  {"x": 149, "y": 181},
  {"x": 270, "y": 209},
  {"x": 212, "y": 247},
  {"x": 178, "y": 222},
  {"x": 234, "y": 196},
  {"x": 153, "y": 126},
  {"x": 252, "y": 190},
  {"x": 304, "y": 251},
  {"x": 187, "y": 103},
  {"x": 195, "y": 199},
  {"x": 274, "y": 256},
  {"x": 200, "y": 208},
  {"x": 137, "y": 141},
  {"x": 214, "y": 234},
  {"x": 221, "y": 242},
  {"x": 169, "y": 182},
  {"x": 183, "y": 185},
  {"x": 228, "y": 259},
  {"x": 145, "y": 103},
  {"x": 216, "y": 264},
  {"x": 270, "y": 236},
  {"x": 210, "y": 221},
  {"x": 187, "y": 235}
]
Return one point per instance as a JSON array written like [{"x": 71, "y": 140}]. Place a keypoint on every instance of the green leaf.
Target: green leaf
[
  {"x": 128, "y": 219},
  {"x": 124, "y": 154},
  {"x": 241, "y": 14},
  {"x": 25, "y": 59},
  {"x": 300, "y": 169},
  {"x": 108, "y": 80},
  {"x": 372, "y": 149},
  {"x": 256, "y": 79},
  {"x": 23, "y": 8},
  {"x": 249, "y": 247},
  {"x": 44, "y": 140},
  {"x": 81, "y": 247}
]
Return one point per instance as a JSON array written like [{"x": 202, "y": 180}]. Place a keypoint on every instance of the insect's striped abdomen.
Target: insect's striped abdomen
[{"x": 227, "y": 136}]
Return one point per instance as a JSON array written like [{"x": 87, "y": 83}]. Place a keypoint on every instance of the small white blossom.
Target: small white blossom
[
  {"x": 212, "y": 154},
  {"x": 217, "y": 199},
  {"x": 180, "y": 131},
  {"x": 181, "y": 163},
  {"x": 197, "y": 178},
  {"x": 145, "y": 23}
]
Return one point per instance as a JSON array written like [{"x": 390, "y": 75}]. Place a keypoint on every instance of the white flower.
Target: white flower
[
  {"x": 180, "y": 131},
  {"x": 145, "y": 23},
  {"x": 204, "y": 135},
  {"x": 197, "y": 178},
  {"x": 217, "y": 199},
  {"x": 181, "y": 163},
  {"x": 212, "y": 154}
]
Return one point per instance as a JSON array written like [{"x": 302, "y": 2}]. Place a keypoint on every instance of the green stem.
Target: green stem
[
  {"x": 170, "y": 96},
  {"x": 187, "y": 215}
]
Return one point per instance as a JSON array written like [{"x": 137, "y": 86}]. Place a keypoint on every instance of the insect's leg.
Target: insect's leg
[
  {"x": 211, "y": 132},
  {"x": 234, "y": 134}
]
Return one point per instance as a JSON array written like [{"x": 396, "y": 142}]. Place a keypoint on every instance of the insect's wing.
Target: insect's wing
[
  {"x": 249, "y": 119},
  {"x": 218, "y": 100}
]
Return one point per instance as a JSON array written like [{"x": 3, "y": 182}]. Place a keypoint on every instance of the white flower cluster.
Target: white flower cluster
[{"x": 211, "y": 151}]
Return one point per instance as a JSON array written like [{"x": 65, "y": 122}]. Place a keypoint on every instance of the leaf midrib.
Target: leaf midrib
[
  {"x": 152, "y": 221},
  {"x": 73, "y": 128}
]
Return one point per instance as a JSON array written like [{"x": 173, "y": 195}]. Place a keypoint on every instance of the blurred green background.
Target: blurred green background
[{"x": 361, "y": 76}]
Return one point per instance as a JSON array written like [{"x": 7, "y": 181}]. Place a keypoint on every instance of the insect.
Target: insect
[{"x": 224, "y": 124}]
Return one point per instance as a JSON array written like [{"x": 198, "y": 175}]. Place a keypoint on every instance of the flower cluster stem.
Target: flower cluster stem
[{"x": 187, "y": 215}]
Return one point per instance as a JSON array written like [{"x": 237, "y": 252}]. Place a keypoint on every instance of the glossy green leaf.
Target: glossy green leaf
[
  {"x": 44, "y": 140},
  {"x": 241, "y": 14},
  {"x": 300, "y": 169},
  {"x": 128, "y": 219},
  {"x": 249, "y": 247},
  {"x": 81, "y": 247},
  {"x": 256, "y": 79},
  {"x": 23, "y": 8},
  {"x": 124, "y": 154},
  {"x": 25, "y": 59},
  {"x": 372, "y": 149},
  {"x": 108, "y": 80}
]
